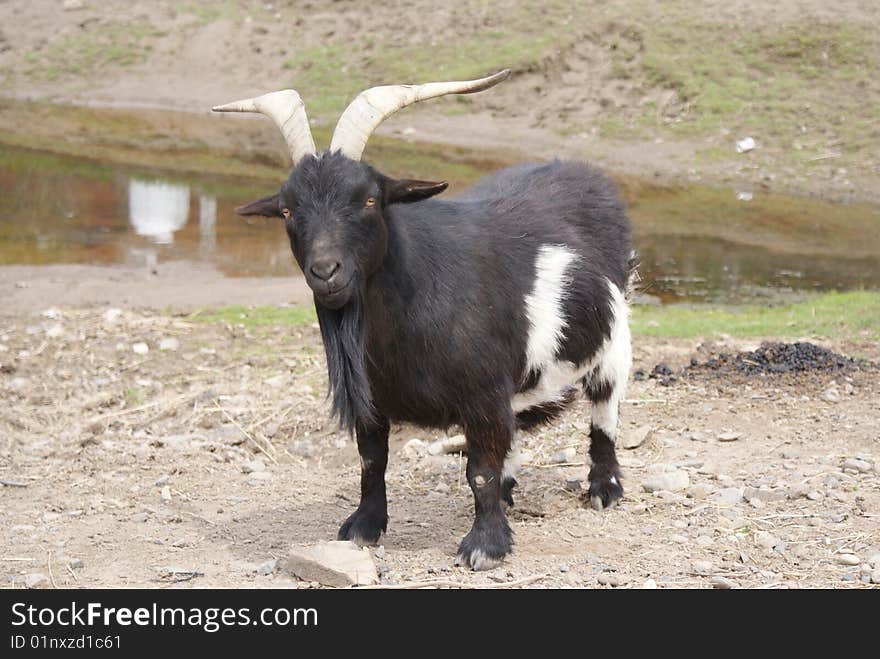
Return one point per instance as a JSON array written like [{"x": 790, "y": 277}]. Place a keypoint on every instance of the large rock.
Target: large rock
[
  {"x": 635, "y": 438},
  {"x": 338, "y": 563},
  {"x": 671, "y": 481}
]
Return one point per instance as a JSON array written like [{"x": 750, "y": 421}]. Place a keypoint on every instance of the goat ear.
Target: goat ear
[
  {"x": 404, "y": 191},
  {"x": 267, "y": 207}
]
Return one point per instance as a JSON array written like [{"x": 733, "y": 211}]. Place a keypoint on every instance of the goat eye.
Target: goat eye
[
  {"x": 370, "y": 202},
  {"x": 286, "y": 213}
]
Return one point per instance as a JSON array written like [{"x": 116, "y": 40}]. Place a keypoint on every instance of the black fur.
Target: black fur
[{"x": 424, "y": 320}]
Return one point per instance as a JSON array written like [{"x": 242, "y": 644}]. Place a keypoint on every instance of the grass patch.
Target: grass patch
[
  {"x": 852, "y": 315},
  {"x": 121, "y": 44},
  {"x": 257, "y": 316}
]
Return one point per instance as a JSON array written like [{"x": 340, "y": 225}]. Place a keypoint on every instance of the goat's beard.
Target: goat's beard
[{"x": 344, "y": 334}]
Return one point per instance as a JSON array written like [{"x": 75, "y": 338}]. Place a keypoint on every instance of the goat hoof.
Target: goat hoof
[
  {"x": 605, "y": 490},
  {"x": 363, "y": 528},
  {"x": 485, "y": 547},
  {"x": 507, "y": 486}
]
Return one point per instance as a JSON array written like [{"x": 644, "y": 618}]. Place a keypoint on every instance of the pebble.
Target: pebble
[
  {"x": 574, "y": 483},
  {"x": 415, "y": 446},
  {"x": 705, "y": 541},
  {"x": 875, "y": 576},
  {"x": 455, "y": 444},
  {"x": 766, "y": 540},
  {"x": 701, "y": 568},
  {"x": 848, "y": 559},
  {"x": 649, "y": 584},
  {"x": 253, "y": 466},
  {"x": 764, "y": 494},
  {"x": 635, "y": 438},
  {"x": 855, "y": 464},
  {"x": 166, "y": 493},
  {"x": 139, "y": 517},
  {"x": 728, "y": 496},
  {"x": 32, "y": 580},
  {"x": 162, "y": 480},
  {"x": 140, "y": 348},
  {"x": 267, "y": 567},
  {"x": 722, "y": 583},
  {"x": 606, "y": 579},
  {"x": 813, "y": 495},
  {"x": 258, "y": 477},
  {"x": 169, "y": 344},
  {"x": 830, "y": 395},
  {"x": 75, "y": 563},
  {"x": 565, "y": 455},
  {"x": 729, "y": 436},
  {"x": 302, "y": 448},
  {"x": 338, "y": 563},
  {"x": 670, "y": 481}
]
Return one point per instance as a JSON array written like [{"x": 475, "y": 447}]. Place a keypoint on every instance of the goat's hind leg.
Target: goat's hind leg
[{"x": 366, "y": 524}]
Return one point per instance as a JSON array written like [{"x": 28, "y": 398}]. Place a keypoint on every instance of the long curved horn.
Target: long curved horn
[
  {"x": 288, "y": 112},
  {"x": 374, "y": 105}
]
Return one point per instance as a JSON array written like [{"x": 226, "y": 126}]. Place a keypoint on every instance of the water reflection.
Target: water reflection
[
  {"x": 157, "y": 209},
  {"x": 696, "y": 243}
]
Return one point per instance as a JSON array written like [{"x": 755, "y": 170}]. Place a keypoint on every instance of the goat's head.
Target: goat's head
[{"x": 332, "y": 204}]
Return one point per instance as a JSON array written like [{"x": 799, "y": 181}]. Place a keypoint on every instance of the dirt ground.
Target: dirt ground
[{"x": 199, "y": 457}]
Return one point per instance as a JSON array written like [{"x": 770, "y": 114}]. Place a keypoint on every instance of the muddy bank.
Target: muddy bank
[{"x": 175, "y": 286}]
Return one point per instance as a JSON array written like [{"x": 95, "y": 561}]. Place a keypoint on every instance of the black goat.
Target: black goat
[{"x": 486, "y": 311}]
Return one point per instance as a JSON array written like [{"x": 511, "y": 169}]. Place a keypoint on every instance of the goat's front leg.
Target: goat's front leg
[
  {"x": 490, "y": 538},
  {"x": 367, "y": 524}
]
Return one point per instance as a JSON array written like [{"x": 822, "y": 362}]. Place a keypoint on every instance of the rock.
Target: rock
[
  {"x": 637, "y": 437},
  {"x": 258, "y": 477},
  {"x": 574, "y": 483},
  {"x": 814, "y": 495},
  {"x": 697, "y": 437},
  {"x": 745, "y": 145},
  {"x": 855, "y": 464},
  {"x": 701, "y": 568},
  {"x": 830, "y": 395},
  {"x": 228, "y": 434},
  {"x": 875, "y": 577},
  {"x": 722, "y": 583},
  {"x": 276, "y": 381},
  {"x": 253, "y": 466},
  {"x": 699, "y": 491},
  {"x": 606, "y": 579},
  {"x": 55, "y": 332},
  {"x": 166, "y": 493},
  {"x": 301, "y": 448},
  {"x": 728, "y": 496},
  {"x": 454, "y": 444},
  {"x": 338, "y": 563},
  {"x": 766, "y": 540},
  {"x": 705, "y": 541},
  {"x": 32, "y": 580},
  {"x": 765, "y": 495},
  {"x": 564, "y": 456},
  {"x": 112, "y": 316},
  {"x": 267, "y": 567},
  {"x": 162, "y": 480},
  {"x": 729, "y": 436},
  {"x": 73, "y": 5},
  {"x": 169, "y": 344},
  {"x": 140, "y": 348},
  {"x": 649, "y": 584},
  {"x": 670, "y": 481},
  {"x": 75, "y": 564},
  {"x": 139, "y": 517},
  {"x": 848, "y": 559},
  {"x": 791, "y": 454},
  {"x": 415, "y": 446}
]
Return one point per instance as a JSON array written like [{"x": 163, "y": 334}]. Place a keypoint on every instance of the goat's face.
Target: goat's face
[{"x": 334, "y": 209}]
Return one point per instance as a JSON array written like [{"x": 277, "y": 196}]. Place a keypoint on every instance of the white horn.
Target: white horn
[
  {"x": 288, "y": 112},
  {"x": 374, "y": 105}
]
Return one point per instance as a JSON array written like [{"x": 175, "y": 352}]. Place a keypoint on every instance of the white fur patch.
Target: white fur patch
[
  {"x": 614, "y": 363},
  {"x": 513, "y": 461},
  {"x": 544, "y": 305}
]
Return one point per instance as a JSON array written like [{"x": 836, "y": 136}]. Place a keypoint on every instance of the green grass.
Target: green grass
[
  {"x": 852, "y": 315},
  {"x": 257, "y": 316},
  {"x": 110, "y": 43}
]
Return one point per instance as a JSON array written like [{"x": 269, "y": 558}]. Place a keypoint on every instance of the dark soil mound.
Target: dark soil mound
[{"x": 774, "y": 357}]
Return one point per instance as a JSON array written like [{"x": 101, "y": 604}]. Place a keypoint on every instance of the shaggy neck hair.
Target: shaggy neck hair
[{"x": 343, "y": 332}]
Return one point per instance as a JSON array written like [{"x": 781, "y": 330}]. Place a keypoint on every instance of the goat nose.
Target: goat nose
[{"x": 324, "y": 269}]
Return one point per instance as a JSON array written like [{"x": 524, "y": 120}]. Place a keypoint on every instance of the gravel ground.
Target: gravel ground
[{"x": 148, "y": 450}]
